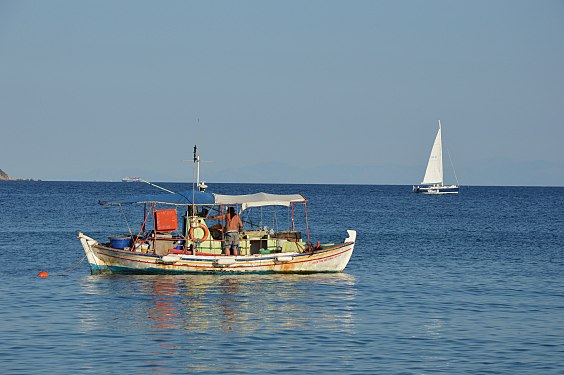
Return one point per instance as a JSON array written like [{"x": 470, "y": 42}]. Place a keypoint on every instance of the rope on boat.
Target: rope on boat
[
  {"x": 452, "y": 165},
  {"x": 127, "y": 222},
  {"x": 65, "y": 272}
]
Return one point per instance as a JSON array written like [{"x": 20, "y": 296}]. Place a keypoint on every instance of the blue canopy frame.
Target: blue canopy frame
[{"x": 183, "y": 198}]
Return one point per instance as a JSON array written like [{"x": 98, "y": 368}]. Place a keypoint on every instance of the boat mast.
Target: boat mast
[
  {"x": 201, "y": 185},
  {"x": 190, "y": 216},
  {"x": 197, "y": 161},
  {"x": 441, "y": 145}
]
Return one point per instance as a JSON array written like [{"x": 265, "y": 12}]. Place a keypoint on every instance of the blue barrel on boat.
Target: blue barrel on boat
[
  {"x": 180, "y": 245},
  {"x": 120, "y": 242}
]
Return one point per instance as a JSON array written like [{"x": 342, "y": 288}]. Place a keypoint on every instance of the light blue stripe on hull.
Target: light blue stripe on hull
[{"x": 96, "y": 269}]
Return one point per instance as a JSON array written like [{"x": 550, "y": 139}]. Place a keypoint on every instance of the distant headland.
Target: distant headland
[{"x": 4, "y": 177}]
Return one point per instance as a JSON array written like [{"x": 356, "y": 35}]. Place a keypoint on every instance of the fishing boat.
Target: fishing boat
[
  {"x": 177, "y": 237},
  {"x": 433, "y": 182}
]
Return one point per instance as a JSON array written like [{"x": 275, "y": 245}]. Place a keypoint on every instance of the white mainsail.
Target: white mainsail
[{"x": 434, "y": 172}]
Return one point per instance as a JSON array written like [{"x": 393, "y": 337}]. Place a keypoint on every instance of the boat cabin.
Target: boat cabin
[{"x": 189, "y": 223}]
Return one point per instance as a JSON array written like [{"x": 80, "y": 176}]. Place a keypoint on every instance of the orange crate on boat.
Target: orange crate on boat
[{"x": 166, "y": 220}]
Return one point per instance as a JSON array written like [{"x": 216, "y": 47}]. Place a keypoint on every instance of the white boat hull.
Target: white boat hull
[
  {"x": 103, "y": 259},
  {"x": 451, "y": 189}
]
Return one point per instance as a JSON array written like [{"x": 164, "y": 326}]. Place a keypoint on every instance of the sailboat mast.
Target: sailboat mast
[{"x": 441, "y": 153}]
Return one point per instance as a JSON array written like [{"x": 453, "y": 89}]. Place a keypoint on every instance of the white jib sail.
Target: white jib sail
[{"x": 434, "y": 172}]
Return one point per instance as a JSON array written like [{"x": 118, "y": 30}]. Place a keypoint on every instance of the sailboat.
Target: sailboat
[{"x": 433, "y": 182}]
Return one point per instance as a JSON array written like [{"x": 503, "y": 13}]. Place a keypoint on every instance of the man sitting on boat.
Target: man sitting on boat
[{"x": 233, "y": 225}]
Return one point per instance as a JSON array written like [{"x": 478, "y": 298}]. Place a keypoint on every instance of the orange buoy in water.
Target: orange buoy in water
[{"x": 42, "y": 274}]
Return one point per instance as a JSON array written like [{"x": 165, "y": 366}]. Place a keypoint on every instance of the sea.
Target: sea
[{"x": 438, "y": 284}]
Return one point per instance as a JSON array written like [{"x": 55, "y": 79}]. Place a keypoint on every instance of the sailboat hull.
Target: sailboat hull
[{"x": 451, "y": 189}]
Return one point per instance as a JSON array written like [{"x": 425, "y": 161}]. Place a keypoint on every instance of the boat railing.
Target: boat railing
[{"x": 252, "y": 242}]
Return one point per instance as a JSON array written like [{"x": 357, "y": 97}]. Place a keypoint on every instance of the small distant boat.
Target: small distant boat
[
  {"x": 131, "y": 179},
  {"x": 433, "y": 182}
]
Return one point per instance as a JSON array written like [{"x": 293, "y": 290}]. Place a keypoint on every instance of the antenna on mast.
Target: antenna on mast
[{"x": 200, "y": 184}]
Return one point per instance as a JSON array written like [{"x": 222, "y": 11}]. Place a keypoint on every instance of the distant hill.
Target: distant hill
[{"x": 4, "y": 176}]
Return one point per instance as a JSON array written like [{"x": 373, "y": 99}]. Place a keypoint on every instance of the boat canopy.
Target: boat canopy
[
  {"x": 202, "y": 198},
  {"x": 258, "y": 199}
]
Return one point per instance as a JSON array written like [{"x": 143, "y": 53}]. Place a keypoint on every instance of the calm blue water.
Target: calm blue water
[{"x": 470, "y": 284}]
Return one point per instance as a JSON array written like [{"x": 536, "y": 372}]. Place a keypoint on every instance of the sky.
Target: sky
[{"x": 339, "y": 92}]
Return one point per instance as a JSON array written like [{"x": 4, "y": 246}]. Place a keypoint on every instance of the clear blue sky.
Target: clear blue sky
[{"x": 282, "y": 91}]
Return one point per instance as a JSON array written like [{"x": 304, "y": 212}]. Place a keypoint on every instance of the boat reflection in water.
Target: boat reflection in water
[
  {"x": 220, "y": 323},
  {"x": 245, "y": 304},
  {"x": 212, "y": 304}
]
